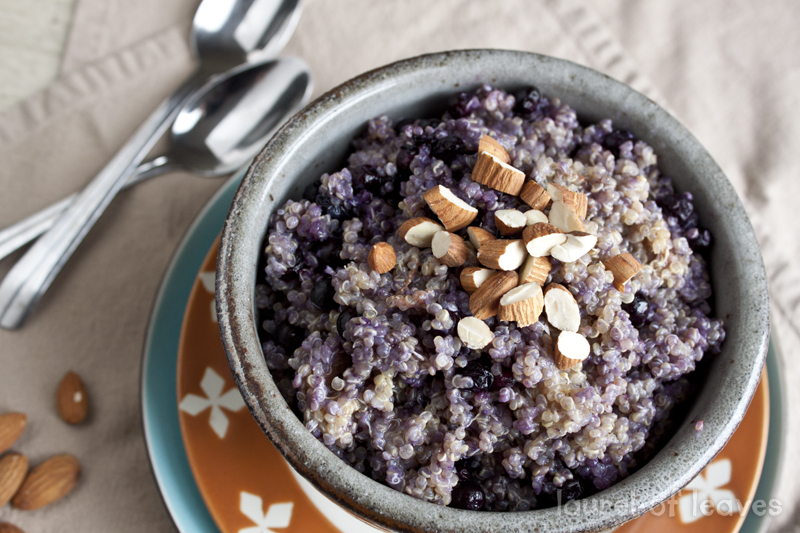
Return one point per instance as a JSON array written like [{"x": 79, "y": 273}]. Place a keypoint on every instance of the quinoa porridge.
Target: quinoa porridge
[{"x": 377, "y": 364}]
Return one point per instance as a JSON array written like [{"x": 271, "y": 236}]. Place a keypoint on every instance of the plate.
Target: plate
[{"x": 246, "y": 485}]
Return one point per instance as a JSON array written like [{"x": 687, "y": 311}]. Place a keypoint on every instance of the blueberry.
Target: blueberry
[
  {"x": 529, "y": 102},
  {"x": 328, "y": 253},
  {"x": 322, "y": 296},
  {"x": 404, "y": 157},
  {"x": 680, "y": 206},
  {"x": 572, "y": 490},
  {"x": 482, "y": 377},
  {"x": 638, "y": 311},
  {"x": 292, "y": 272},
  {"x": 615, "y": 139},
  {"x": 344, "y": 317},
  {"x": 310, "y": 192},
  {"x": 700, "y": 240},
  {"x": 505, "y": 379},
  {"x": 289, "y": 337},
  {"x": 460, "y": 105},
  {"x": 336, "y": 211},
  {"x": 468, "y": 495},
  {"x": 465, "y": 469},
  {"x": 447, "y": 148},
  {"x": 366, "y": 177}
]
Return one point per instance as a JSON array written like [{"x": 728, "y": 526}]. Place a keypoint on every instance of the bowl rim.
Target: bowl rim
[{"x": 379, "y": 503}]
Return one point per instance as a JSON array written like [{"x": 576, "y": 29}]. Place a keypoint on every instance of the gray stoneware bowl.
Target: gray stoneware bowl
[{"x": 316, "y": 141}]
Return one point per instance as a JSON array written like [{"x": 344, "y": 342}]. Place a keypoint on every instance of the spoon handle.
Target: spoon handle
[
  {"x": 29, "y": 278},
  {"x": 21, "y": 233}
]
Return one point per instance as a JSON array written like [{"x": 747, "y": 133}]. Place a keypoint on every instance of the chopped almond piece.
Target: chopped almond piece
[
  {"x": 449, "y": 248},
  {"x": 485, "y": 302},
  {"x": 535, "y": 270},
  {"x": 561, "y": 308},
  {"x": 522, "y": 304},
  {"x": 474, "y": 333},
  {"x": 473, "y": 277},
  {"x": 577, "y": 244},
  {"x": 454, "y": 212},
  {"x": 509, "y": 221},
  {"x": 576, "y": 201},
  {"x": 382, "y": 258},
  {"x": 492, "y": 147},
  {"x": 502, "y": 254},
  {"x": 478, "y": 236},
  {"x": 497, "y": 175},
  {"x": 564, "y": 218},
  {"x": 419, "y": 231},
  {"x": 534, "y": 216},
  {"x": 624, "y": 266},
  {"x": 571, "y": 349},
  {"x": 541, "y": 238},
  {"x": 534, "y": 195}
]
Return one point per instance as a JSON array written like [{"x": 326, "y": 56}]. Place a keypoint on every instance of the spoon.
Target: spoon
[
  {"x": 224, "y": 32},
  {"x": 189, "y": 150}
]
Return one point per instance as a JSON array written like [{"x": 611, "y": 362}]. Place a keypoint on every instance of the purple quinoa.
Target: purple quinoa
[{"x": 372, "y": 363}]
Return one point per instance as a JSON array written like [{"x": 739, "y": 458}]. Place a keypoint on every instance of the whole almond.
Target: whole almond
[
  {"x": 71, "y": 399},
  {"x": 48, "y": 482},
  {"x": 12, "y": 426},
  {"x": 13, "y": 467},
  {"x": 5, "y": 527}
]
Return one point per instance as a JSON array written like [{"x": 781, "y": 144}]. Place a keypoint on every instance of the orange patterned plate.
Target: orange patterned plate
[{"x": 249, "y": 488}]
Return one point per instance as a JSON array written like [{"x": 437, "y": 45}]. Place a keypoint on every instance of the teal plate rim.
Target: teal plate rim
[{"x": 159, "y": 403}]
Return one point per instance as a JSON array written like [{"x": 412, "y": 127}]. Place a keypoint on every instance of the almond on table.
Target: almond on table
[
  {"x": 419, "y": 231},
  {"x": 72, "y": 400},
  {"x": 12, "y": 426},
  {"x": 502, "y": 254},
  {"x": 48, "y": 482},
  {"x": 13, "y": 467},
  {"x": 449, "y": 248},
  {"x": 382, "y": 257},
  {"x": 497, "y": 175},
  {"x": 454, "y": 212}
]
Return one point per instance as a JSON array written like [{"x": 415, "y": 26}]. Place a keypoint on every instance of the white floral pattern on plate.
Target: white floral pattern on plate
[
  {"x": 277, "y": 516},
  {"x": 708, "y": 486},
  {"x": 212, "y": 385},
  {"x": 208, "y": 279}
]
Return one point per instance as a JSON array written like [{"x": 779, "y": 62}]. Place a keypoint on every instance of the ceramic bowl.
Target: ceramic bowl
[{"x": 317, "y": 140}]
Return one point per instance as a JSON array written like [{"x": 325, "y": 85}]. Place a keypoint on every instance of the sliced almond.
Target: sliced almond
[
  {"x": 72, "y": 401},
  {"x": 492, "y": 147},
  {"x": 534, "y": 216},
  {"x": 473, "y": 277},
  {"x": 500, "y": 176},
  {"x": 576, "y": 201},
  {"x": 535, "y": 270},
  {"x": 502, "y": 254},
  {"x": 419, "y": 231},
  {"x": 571, "y": 349},
  {"x": 48, "y": 482},
  {"x": 534, "y": 195},
  {"x": 510, "y": 221},
  {"x": 624, "y": 266},
  {"x": 564, "y": 218},
  {"x": 449, "y": 248},
  {"x": 561, "y": 308},
  {"x": 577, "y": 244},
  {"x": 13, "y": 467},
  {"x": 522, "y": 304},
  {"x": 485, "y": 302},
  {"x": 12, "y": 426},
  {"x": 454, "y": 212},
  {"x": 474, "y": 333},
  {"x": 478, "y": 236},
  {"x": 541, "y": 238},
  {"x": 382, "y": 257}
]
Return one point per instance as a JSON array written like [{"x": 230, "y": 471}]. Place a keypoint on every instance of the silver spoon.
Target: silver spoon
[
  {"x": 224, "y": 33},
  {"x": 189, "y": 150}
]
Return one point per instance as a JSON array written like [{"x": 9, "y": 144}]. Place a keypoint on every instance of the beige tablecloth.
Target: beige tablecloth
[{"x": 728, "y": 69}]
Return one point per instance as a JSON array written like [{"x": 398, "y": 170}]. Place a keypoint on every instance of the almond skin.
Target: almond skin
[
  {"x": 382, "y": 257},
  {"x": 13, "y": 467},
  {"x": 534, "y": 195},
  {"x": 71, "y": 399},
  {"x": 485, "y": 302},
  {"x": 624, "y": 266},
  {"x": 12, "y": 426},
  {"x": 491, "y": 146},
  {"x": 5, "y": 527},
  {"x": 48, "y": 482}
]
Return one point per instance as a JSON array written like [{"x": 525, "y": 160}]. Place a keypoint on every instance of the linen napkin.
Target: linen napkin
[{"x": 726, "y": 69}]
